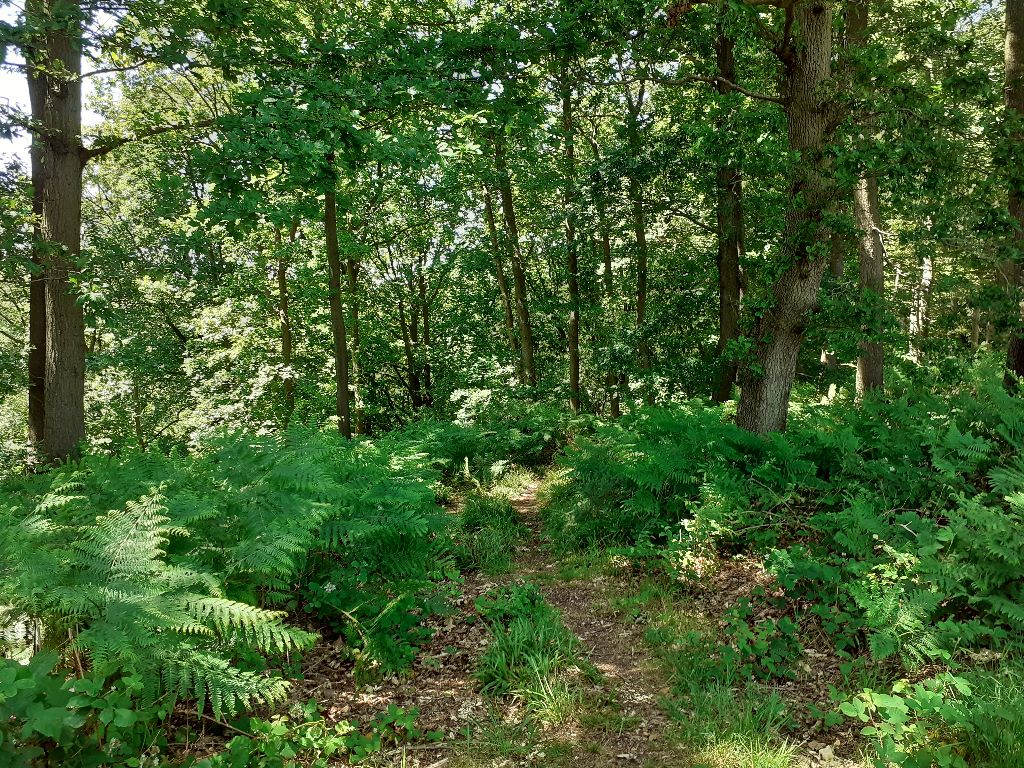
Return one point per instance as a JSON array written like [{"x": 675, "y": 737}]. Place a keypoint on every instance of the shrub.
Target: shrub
[
  {"x": 173, "y": 571},
  {"x": 895, "y": 525}
]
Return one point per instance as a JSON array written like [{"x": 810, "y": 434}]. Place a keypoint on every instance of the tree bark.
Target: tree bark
[
  {"x": 871, "y": 249},
  {"x": 572, "y": 251},
  {"x": 612, "y": 376},
  {"x": 917, "y": 325},
  {"x": 37, "y": 303},
  {"x": 428, "y": 384},
  {"x": 352, "y": 280},
  {"x": 408, "y": 342},
  {"x": 506, "y": 297},
  {"x": 516, "y": 257},
  {"x": 55, "y": 89},
  {"x": 871, "y": 355},
  {"x": 1014, "y": 100},
  {"x": 287, "y": 377},
  {"x": 639, "y": 221},
  {"x": 729, "y": 189},
  {"x": 338, "y": 330},
  {"x": 767, "y": 380}
]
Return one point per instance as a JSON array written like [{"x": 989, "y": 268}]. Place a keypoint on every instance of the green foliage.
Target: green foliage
[
  {"x": 720, "y": 716},
  {"x": 487, "y": 533},
  {"x": 156, "y": 567},
  {"x": 907, "y": 724},
  {"x": 306, "y": 739},
  {"x": 49, "y": 719},
  {"x": 946, "y": 720},
  {"x": 483, "y": 446},
  {"x": 894, "y": 526},
  {"x": 530, "y": 645},
  {"x": 639, "y": 476},
  {"x": 765, "y": 649}
]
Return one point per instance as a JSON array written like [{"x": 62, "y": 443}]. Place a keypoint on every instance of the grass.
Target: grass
[
  {"x": 495, "y": 739},
  {"x": 742, "y": 752},
  {"x": 487, "y": 533},
  {"x": 994, "y": 717},
  {"x": 510, "y": 481},
  {"x": 533, "y": 662},
  {"x": 529, "y": 644},
  {"x": 719, "y": 722}
]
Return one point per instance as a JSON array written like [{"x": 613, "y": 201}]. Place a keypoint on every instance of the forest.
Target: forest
[{"x": 464, "y": 383}]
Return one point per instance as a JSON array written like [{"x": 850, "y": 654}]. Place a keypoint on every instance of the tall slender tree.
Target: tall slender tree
[
  {"x": 729, "y": 192},
  {"x": 54, "y": 70},
  {"x": 871, "y": 249},
  {"x": 1014, "y": 100},
  {"x": 571, "y": 245}
]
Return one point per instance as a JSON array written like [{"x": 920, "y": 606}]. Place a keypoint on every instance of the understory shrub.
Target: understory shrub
[
  {"x": 490, "y": 434},
  {"x": 896, "y": 525},
  {"x": 175, "y": 572},
  {"x": 894, "y": 528}
]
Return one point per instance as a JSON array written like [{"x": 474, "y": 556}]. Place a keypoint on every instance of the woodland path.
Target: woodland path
[
  {"x": 621, "y": 721},
  {"x": 630, "y": 684},
  {"x": 623, "y": 724}
]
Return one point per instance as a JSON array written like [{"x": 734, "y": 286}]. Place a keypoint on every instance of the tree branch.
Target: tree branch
[
  {"x": 105, "y": 146},
  {"x": 718, "y": 80}
]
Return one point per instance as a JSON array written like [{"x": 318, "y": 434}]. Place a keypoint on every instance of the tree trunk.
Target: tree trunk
[
  {"x": 428, "y": 384},
  {"x": 37, "y": 305},
  {"x": 572, "y": 252},
  {"x": 55, "y": 89},
  {"x": 287, "y": 377},
  {"x": 408, "y": 341},
  {"x": 352, "y": 278},
  {"x": 1014, "y": 99},
  {"x": 341, "y": 395},
  {"x": 639, "y": 221},
  {"x": 729, "y": 188},
  {"x": 917, "y": 325},
  {"x": 871, "y": 249},
  {"x": 836, "y": 267},
  {"x": 506, "y": 297},
  {"x": 871, "y": 356},
  {"x": 518, "y": 262},
  {"x": 611, "y": 378},
  {"x": 779, "y": 333}
]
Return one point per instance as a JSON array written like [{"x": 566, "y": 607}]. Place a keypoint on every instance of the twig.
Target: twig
[{"x": 226, "y": 725}]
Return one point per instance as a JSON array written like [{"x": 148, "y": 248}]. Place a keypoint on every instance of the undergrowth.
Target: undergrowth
[
  {"x": 535, "y": 661},
  {"x": 148, "y": 581},
  {"x": 893, "y": 528}
]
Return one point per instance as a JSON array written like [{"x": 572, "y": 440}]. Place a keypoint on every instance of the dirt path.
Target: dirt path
[
  {"x": 622, "y": 723},
  {"x": 633, "y": 725}
]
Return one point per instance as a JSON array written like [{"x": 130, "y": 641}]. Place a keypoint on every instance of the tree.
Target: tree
[
  {"x": 730, "y": 232},
  {"x": 806, "y": 56},
  {"x": 1014, "y": 100},
  {"x": 871, "y": 249},
  {"x": 54, "y": 67}
]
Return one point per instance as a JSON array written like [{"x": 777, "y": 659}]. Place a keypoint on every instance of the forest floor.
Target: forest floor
[{"x": 617, "y": 715}]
